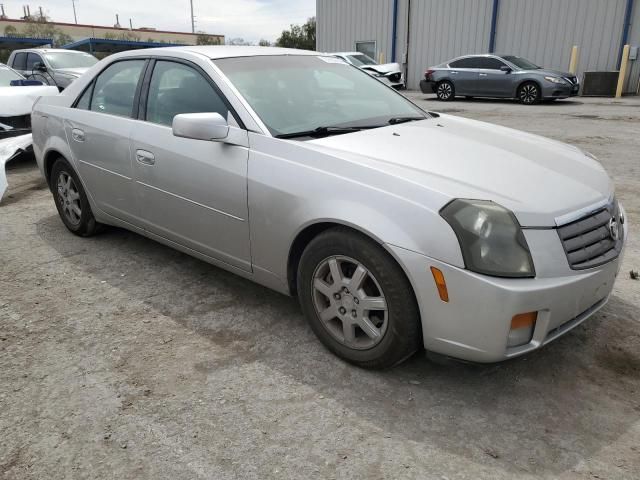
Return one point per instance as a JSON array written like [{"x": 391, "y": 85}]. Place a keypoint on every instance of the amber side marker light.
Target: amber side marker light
[
  {"x": 523, "y": 320},
  {"x": 438, "y": 277}
]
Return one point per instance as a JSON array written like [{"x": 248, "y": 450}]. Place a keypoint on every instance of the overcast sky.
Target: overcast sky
[{"x": 249, "y": 19}]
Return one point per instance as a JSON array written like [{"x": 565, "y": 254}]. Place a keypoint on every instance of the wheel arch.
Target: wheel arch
[
  {"x": 310, "y": 231},
  {"x": 527, "y": 80},
  {"x": 48, "y": 160}
]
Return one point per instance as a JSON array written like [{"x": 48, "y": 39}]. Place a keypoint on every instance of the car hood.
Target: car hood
[
  {"x": 537, "y": 178},
  {"x": 383, "y": 68},
  {"x": 19, "y": 100},
  {"x": 555, "y": 73},
  {"x": 76, "y": 72}
]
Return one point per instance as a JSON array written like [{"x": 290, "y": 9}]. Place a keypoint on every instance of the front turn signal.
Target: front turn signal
[{"x": 441, "y": 285}]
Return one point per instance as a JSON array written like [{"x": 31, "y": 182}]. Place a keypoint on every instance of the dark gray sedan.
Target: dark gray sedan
[{"x": 498, "y": 76}]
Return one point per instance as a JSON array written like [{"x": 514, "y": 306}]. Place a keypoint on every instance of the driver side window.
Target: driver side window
[{"x": 176, "y": 88}]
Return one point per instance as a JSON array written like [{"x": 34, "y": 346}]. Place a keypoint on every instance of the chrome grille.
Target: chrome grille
[{"x": 594, "y": 239}]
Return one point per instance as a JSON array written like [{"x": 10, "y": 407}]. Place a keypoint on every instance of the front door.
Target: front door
[
  {"x": 98, "y": 131},
  {"x": 192, "y": 192},
  {"x": 493, "y": 81}
]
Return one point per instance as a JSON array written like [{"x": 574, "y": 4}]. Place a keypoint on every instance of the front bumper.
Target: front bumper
[
  {"x": 475, "y": 324},
  {"x": 551, "y": 90}
]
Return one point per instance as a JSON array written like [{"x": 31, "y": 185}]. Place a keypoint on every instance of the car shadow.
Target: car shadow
[
  {"x": 542, "y": 413},
  {"x": 505, "y": 101}
]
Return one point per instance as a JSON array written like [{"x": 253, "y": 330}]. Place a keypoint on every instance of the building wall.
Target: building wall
[
  {"x": 344, "y": 22},
  {"x": 633, "y": 69},
  {"x": 545, "y": 31},
  {"x": 440, "y": 30},
  {"x": 78, "y": 32},
  {"x": 542, "y": 30}
]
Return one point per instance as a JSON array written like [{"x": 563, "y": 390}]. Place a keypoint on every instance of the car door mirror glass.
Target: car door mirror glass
[
  {"x": 40, "y": 67},
  {"x": 200, "y": 126}
]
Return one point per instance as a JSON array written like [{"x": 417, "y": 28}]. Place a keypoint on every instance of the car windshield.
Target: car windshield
[
  {"x": 300, "y": 93},
  {"x": 361, "y": 59},
  {"x": 521, "y": 62},
  {"x": 70, "y": 59},
  {"x": 7, "y": 76}
]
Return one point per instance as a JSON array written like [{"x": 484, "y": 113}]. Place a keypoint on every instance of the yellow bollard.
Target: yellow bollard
[
  {"x": 623, "y": 70},
  {"x": 573, "y": 63},
  {"x": 381, "y": 58}
]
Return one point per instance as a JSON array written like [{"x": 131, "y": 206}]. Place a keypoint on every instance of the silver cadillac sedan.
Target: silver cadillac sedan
[{"x": 396, "y": 228}]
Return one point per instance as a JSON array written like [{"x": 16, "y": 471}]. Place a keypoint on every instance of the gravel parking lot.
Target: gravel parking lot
[{"x": 121, "y": 358}]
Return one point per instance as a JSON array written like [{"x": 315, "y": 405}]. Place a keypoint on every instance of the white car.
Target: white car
[
  {"x": 390, "y": 73},
  {"x": 17, "y": 96},
  {"x": 396, "y": 228}
]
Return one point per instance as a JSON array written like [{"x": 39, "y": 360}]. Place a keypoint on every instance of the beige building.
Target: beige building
[{"x": 80, "y": 31}]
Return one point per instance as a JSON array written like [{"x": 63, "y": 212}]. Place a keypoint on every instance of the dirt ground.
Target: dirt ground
[{"x": 121, "y": 358}]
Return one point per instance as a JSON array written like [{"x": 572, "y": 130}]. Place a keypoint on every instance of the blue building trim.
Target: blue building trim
[
  {"x": 105, "y": 45},
  {"x": 394, "y": 33},
  {"x": 494, "y": 22}
]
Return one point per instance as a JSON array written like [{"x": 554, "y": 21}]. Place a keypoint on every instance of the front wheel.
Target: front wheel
[
  {"x": 445, "y": 91},
  {"x": 357, "y": 300},
  {"x": 71, "y": 200},
  {"x": 529, "y": 93}
]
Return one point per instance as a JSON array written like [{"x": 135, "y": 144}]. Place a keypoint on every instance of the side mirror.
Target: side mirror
[
  {"x": 505, "y": 69},
  {"x": 200, "y": 126},
  {"x": 39, "y": 67}
]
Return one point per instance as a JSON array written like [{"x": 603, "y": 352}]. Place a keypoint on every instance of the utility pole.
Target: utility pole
[
  {"x": 193, "y": 19},
  {"x": 75, "y": 17}
]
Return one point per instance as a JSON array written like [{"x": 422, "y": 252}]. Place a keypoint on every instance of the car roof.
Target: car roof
[
  {"x": 347, "y": 53},
  {"x": 45, "y": 50},
  {"x": 223, "y": 51}
]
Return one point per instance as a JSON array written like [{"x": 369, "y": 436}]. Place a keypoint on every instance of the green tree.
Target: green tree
[
  {"x": 299, "y": 36},
  {"x": 264, "y": 43},
  {"x": 10, "y": 31}
]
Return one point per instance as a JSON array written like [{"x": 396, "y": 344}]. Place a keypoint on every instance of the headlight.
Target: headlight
[
  {"x": 490, "y": 237},
  {"x": 555, "y": 80}
]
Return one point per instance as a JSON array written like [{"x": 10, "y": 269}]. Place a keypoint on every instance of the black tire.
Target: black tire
[
  {"x": 445, "y": 91},
  {"x": 529, "y": 93},
  {"x": 402, "y": 335},
  {"x": 84, "y": 224}
]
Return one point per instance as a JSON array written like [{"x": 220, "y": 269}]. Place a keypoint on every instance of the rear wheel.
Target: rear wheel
[
  {"x": 445, "y": 91},
  {"x": 529, "y": 93},
  {"x": 71, "y": 200},
  {"x": 357, "y": 300}
]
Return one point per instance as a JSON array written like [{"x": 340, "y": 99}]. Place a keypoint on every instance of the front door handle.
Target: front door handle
[
  {"x": 453, "y": 72},
  {"x": 144, "y": 157},
  {"x": 483, "y": 74},
  {"x": 77, "y": 135}
]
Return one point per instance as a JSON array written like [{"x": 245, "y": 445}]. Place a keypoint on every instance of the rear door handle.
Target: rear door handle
[
  {"x": 454, "y": 72},
  {"x": 77, "y": 135},
  {"x": 483, "y": 74},
  {"x": 144, "y": 157}
]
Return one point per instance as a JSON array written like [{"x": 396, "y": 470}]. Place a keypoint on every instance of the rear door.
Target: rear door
[
  {"x": 192, "y": 192},
  {"x": 464, "y": 75},
  {"x": 98, "y": 131},
  {"x": 494, "y": 82}
]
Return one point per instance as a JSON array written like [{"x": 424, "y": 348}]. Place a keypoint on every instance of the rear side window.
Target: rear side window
[
  {"x": 490, "y": 63},
  {"x": 32, "y": 59},
  {"x": 20, "y": 61},
  {"x": 176, "y": 88},
  {"x": 464, "y": 63},
  {"x": 115, "y": 88}
]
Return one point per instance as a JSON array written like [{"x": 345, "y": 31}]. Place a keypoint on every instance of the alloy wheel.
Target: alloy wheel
[
  {"x": 444, "y": 91},
  {"x": 69, "y": 198},
  {"x": 529, "y": 94},
  {"x": 349, "y": 302}
]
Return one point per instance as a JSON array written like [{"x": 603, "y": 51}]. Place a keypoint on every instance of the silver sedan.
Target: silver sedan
[{"x": 396, "y": 228}]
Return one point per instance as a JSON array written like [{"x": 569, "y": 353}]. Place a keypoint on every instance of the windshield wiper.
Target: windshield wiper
[
  {"x": 324, "y": 131},
  {"x": 397, "y": 120}
]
